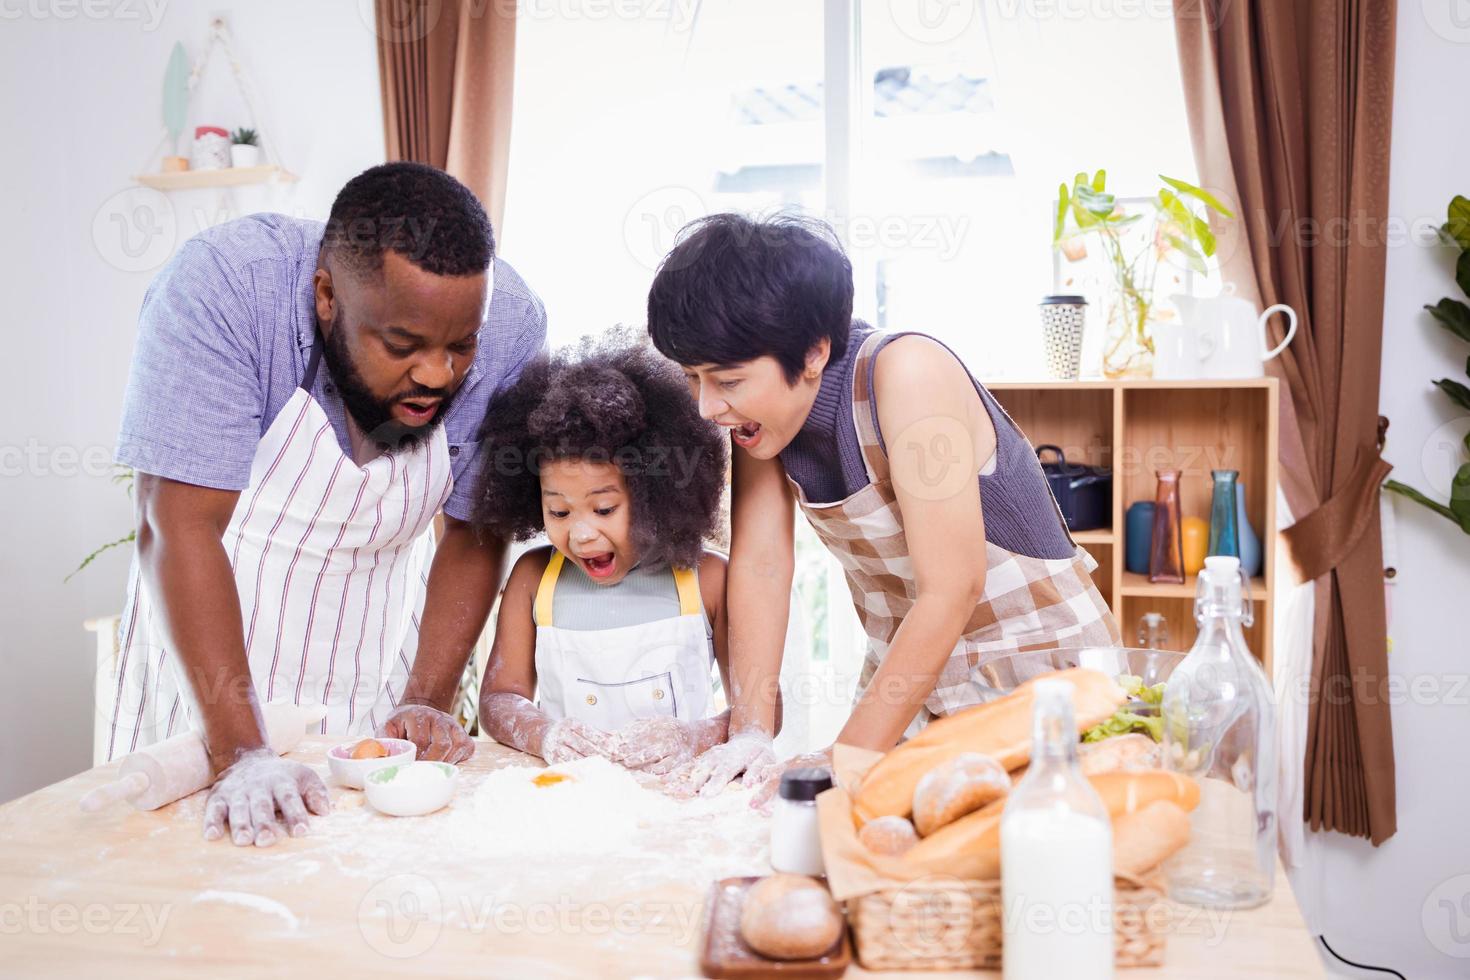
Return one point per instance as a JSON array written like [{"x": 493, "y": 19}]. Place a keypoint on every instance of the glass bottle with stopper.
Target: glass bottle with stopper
[
  {"x": 1220, "y": 728},
  {"x": 1056, "y": 845}
]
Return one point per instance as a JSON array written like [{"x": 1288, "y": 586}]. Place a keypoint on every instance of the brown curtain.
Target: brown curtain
[
  {"x": 446, "y": 69},
  {"x": 1289, "y": 105}
]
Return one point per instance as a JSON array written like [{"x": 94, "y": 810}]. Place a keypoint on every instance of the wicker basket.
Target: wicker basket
[{"x": 949, "y": 924}]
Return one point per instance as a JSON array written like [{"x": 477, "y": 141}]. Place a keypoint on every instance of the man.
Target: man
[{"x": 304, "y": 399}]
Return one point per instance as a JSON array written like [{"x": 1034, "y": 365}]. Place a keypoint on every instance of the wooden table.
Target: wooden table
[{"x": 133, "y": 893}]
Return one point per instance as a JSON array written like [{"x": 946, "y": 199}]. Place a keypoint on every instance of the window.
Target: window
[{"x": 932, "y": 133}]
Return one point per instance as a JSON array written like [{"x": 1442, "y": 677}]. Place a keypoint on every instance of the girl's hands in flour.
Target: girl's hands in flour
[
  {"x": 438, "y": 736},
  {"x": 768, "y": 781},
  {"x": 712, "y": 771},
  {"x": 659, "y": 745},
  {"x": 250, "y": 793},
  {"x": 568, "y": 739}
]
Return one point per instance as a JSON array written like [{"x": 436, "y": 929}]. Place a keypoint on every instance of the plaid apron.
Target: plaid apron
[{"x": 1028, "y": 603}]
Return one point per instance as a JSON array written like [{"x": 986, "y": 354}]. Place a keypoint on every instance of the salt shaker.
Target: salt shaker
[{"x": 796, "y": 840}]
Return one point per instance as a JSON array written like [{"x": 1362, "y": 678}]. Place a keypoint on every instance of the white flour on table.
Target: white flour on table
[
  {"x": 598, "y": 842},
  {"x": 258, "y": 903}
]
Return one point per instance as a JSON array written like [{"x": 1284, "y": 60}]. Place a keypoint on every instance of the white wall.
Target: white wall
[
  {"x": 1392, "y": 905},
  {"x": 81, "y": 112}
]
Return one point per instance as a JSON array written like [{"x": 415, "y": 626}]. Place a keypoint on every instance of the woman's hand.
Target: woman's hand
[
  {"x": 712, "y": 771},
  {"x": 769, "y": 780}
]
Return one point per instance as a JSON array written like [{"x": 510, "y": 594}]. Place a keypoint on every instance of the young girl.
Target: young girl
[{"x": 605, "y": 638}]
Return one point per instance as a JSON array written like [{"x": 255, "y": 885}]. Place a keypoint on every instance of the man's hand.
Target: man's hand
[
  {"x": 569, "y": 739},
  {"x": 251, "y": 794},
  {"x": 438, "y": 736},
  {"x": 711, "y": 772}
]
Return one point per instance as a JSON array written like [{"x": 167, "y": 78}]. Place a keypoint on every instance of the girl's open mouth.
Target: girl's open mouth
[
  {"x": 600, "y": 566},
  {"x": 747, "y": 435}
]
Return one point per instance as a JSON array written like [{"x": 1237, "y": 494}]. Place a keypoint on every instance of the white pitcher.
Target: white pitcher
[{"x": 1223, "y": 337}]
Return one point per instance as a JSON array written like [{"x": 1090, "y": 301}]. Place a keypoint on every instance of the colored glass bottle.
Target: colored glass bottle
[
  {"x": 1250, "y": 542},
  {"x": 1224, "y": 531},
  {"x": 1166, "y": 558}
]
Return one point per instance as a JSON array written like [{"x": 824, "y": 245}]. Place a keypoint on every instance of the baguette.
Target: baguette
[
  {"x": 1000, "y": 729},
  {"x": 1144, "y": 838},
  {"x": 1122, "y": 793}
]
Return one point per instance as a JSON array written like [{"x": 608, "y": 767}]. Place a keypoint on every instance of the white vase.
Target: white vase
[{"x": 244, "y": 155}]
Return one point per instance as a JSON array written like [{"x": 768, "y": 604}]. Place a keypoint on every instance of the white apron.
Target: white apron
[
  {"x": 611, "y": 678},
  {"x": 330, "y": 561}
]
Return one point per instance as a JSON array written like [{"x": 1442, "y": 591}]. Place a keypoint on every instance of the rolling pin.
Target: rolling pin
[{"x": 176, "y": 767}]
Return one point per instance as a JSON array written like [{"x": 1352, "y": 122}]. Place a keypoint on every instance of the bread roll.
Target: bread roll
[
  {"x": 1000, "y": 729},
  {"x": 1121, "y": 792},
  {"x": 790, "y": 917},
  {"x": 952, "y": 789},
  {"x": 1121, "y": 753},
  {"x": 888, "y": 835},
  {"x": 1144, "y": 838}
]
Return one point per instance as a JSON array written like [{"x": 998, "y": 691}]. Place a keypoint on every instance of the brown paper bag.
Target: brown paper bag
[{"x": 852, "y": 869}]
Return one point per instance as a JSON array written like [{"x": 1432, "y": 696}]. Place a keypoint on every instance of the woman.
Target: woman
[{"x": 907, "y": 468}]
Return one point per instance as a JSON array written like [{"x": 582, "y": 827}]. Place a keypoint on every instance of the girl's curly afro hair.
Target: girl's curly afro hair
[{"x": 612, "y": 400}]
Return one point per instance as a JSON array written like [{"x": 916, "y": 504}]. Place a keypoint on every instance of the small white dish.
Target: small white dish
[
  {"x": 411, "y": 789},
  {"x": 351, "y": 772}
]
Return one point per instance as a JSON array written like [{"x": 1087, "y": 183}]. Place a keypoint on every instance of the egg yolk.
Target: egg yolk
[
  {"x": 551, "y": 778},
  {"x": 369, "y": 748}
]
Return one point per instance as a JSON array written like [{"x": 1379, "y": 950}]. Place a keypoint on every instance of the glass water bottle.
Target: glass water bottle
[
  {"x": 1056, "y": 857},
  {"x": 1220, "y": 728}
]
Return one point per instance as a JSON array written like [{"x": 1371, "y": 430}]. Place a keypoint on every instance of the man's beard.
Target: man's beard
[{"x": 374, "y": 415}]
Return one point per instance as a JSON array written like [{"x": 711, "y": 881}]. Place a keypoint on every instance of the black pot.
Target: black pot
[{"x": 1084, "y": 493}]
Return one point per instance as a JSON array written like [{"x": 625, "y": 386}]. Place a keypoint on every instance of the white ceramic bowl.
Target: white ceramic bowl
[
  {"x": 351, "y": 772},
  {"x": 412, "y": 789}
]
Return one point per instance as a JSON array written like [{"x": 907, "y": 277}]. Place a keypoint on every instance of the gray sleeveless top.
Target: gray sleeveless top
[
  {"x": 826, "y": 461},
  {"x": 646, "y": 594}
]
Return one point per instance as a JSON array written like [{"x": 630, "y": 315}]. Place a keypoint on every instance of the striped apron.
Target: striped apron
[
  {"x": 330, "y": 561},
  {"x": 1027, "y": 604}
]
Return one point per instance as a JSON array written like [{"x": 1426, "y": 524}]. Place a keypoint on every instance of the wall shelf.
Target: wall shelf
[
  {"x": 1137, "y": 427},
  {"x": 187, "y": 180}
]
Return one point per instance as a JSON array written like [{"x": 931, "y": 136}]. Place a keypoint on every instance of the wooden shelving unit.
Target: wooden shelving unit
[
  {"x": 1139, "y": 427},
  {"x": 187, "y": 180}
]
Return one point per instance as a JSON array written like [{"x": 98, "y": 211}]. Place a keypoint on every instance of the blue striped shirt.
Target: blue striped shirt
[{"x": 223, "y": 342}]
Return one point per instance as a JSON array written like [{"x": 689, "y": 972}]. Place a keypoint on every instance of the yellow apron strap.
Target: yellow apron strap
[
  {"x": 690, "y": 602},
  {"x": 547, "y": 589}
]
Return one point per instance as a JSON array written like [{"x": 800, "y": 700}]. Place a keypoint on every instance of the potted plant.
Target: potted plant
[
  {"x": 1088, "y": 209},
  {"x": 1454, "y": 316},
  {"x": 244, "y": 148}
]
